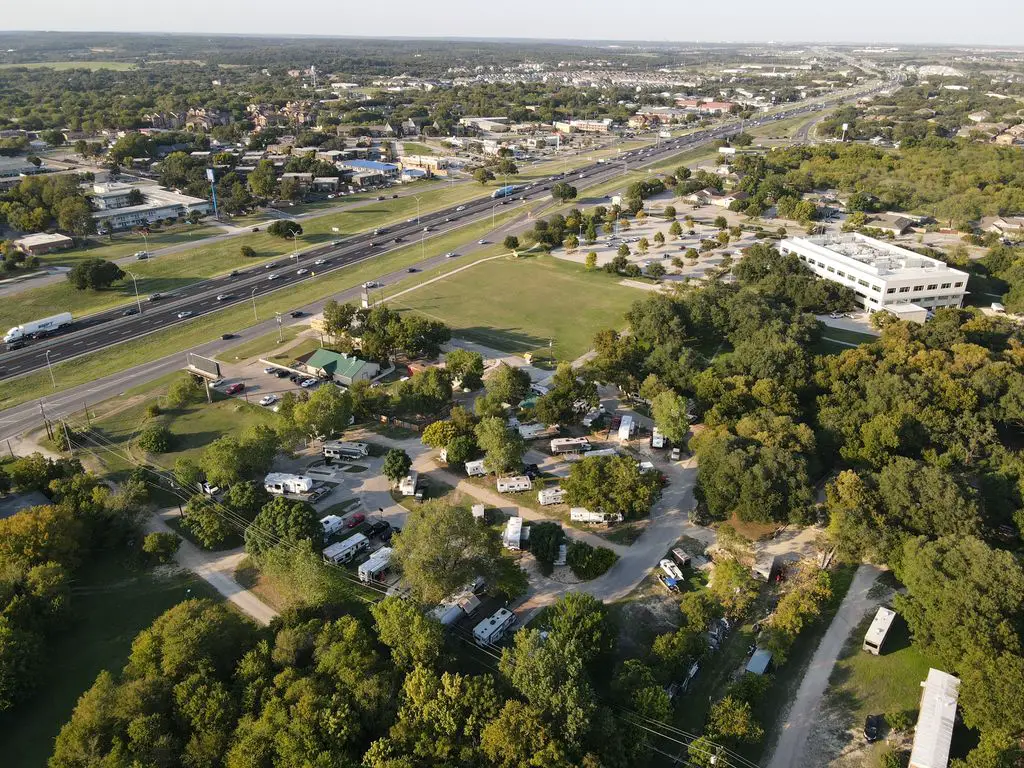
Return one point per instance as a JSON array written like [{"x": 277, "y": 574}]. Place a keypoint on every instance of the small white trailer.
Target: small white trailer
[
  {"x": 548, "y": 496},
  {"x": 626, "y": 428},
  {"x": 345, "y": 551},
  {"x": 281, "y": 483},
  {"x": 407, "y": 487},
  {"x": 584, "y": 515},
  {"x": 376, "y": 566},
  {"x": 493, "y": 628},
  {"x": 570, "y": 445},
  {"x": 331, "y": 524},
  {"x": 476, "y": 468},
  {"x": 657, "y": 438},
  {"x": 515, "y": 484}
]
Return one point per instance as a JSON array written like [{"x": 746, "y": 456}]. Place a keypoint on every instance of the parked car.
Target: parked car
[
  {"x": 280, "y": 373},
  {"x": 676, "y": 454},
  {"x": 218, "y": 383},
  {"x": 356, "y": 519},
  {"x": 268, "y": 400},
  {"x": 235, "y": 388},
  {"x": 271, "y": 369},
  {"x": 378, "y": 528},
  {"x": 308, "y": 383}
]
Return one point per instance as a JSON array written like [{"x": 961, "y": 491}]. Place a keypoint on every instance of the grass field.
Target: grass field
[
  {"x": 415, "y": 148},
  {"x": 121, "y": 245},
  {"x": 518, "y": 305},
  {"x": 65, "y": 65},
  {"x": 863, "y": 684},
  {"x": 205, "y": 328},
  {"x": 262, "y": 344},
  {"x": 851, "y": 337},
  {"x": 111, "y": 604}
]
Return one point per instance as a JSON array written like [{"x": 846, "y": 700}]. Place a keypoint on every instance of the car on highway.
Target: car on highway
[
  {"x": 412, "y": 269},
  {"x": 186, "y": 313},
  {"x": 234, "y": 273},
  {"x": 308, "y": 383},
  {"x": 235, "y": 388},
  {"x": 356, "y": 519},
  {"x": 481, "y": 242},
  {"x": 17, "y": 344},
  {"x": 302, "y": 271},
  {"x": 371, "y": 284},
  {"x": 460, "y": 208},
  {"x": 372, "y": 244},
  {"x": 273, "y": 276},
  {"x": 450, "y": 255},
  {"x": 156, "y": 296},
  {"x": 129, "y": 312},
  {"x": 398, "y": 240},
  {"x": 426, "y": 229},
  {"x": 320, "y": 262},
  {"x": 255, "y": 229},
  {"x": 296, "y": 313},
  {"x": 394, "y": 197},
  {"x": 223, "y": 296},
  {"x": 141, "y": 255},
  {"x": 268, "y": 400},
  {"x": 380, "y": 197}
]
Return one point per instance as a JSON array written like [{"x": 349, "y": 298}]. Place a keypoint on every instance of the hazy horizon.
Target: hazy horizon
[{"x": 874, "y": 22}]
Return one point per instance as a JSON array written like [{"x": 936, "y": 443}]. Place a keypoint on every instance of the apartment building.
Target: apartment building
[{"x": 881, "y": 274}]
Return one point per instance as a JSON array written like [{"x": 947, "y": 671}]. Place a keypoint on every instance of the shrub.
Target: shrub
[
  {"x": 161, "y": 546},
  {"x": 247, "y": 251},
  {"x": 156, "y": 438},
  {"x": 545, "y": 539},
  {"x": 153, "y": 409},
  {"x": 589, "y": 562}
]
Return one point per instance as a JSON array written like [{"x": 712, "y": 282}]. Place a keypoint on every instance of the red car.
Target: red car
[
  {"x": 235, "y": 388},
  {"x": 356, "y": 519}
]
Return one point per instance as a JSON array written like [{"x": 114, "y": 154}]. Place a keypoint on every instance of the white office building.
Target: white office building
[
  {"x": 881, "y": 274},
  {"x": 115, "y": 207}
]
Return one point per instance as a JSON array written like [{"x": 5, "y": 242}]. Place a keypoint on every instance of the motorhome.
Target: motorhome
[
  {"x": 657, "y": 438},
  {"x": 408, "y": 485},
  {"x": 493, "y": 628},
  {"x": 549, "y": 496},
  {"x": 281, "y": 483},
  {"x": 879, "y": 628},
  {"x": 569, "y": 445},
  {"x": 515, "y": 484},
  {"x": 339, "y": 450},
  {"x": 345, "y": 551}
]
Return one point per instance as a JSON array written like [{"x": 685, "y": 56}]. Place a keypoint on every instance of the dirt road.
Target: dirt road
[{"x": 803, "y": 714}]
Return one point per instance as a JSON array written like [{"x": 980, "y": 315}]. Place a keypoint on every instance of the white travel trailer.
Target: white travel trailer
[
  {"x": 345, "y": 551},
  {"x": 513, "y": 537},
  {"x": 331, "y": 524},
  {"x": 626, "y": 428},
  {"x": 339, "y": 450},
  {"x": 584, "y": 515},
  {"x": 493, "y": 628},
  {"x": 878, "y": 630},
  {"x": 476, "y": 468},
  {"x": 657, "y": 438},
  {"x": 569, "y": 445},
  {"x": 549, "y": 496},
  {"x": 514, "y": 484},
  {"x": 376, "y": 566},
  {"x": 408, "y": 485},
  {"x": 281, "y": 483}
]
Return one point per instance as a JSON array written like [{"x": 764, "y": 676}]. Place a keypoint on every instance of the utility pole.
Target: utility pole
[
  {"x": 278, "y": 316},
  {"x": 49, "y": 368}
]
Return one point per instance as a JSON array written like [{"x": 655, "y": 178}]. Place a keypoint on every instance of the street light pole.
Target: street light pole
[
  {"x": 253, "y": 297},
  {"x": 417, "y": 199},
  {"x": 278, "y": 316},
  {"x": 49, "y": 368},
  {"x": 135, "y": 282}
]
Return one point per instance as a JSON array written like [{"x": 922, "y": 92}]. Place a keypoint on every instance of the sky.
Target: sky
[{"x": 998, "y": 22}]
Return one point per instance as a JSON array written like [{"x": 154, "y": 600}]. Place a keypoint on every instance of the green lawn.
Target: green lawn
[
  {"x": 262, "y": 344},
  {"x": 415, "y": 148},
  {"x": 205, "y": 328},
  {"x": 842, "y": 334},
  {"x": 121, "y": 245},
  {"x": 112, "y": 602},
  {"x": 864, "y": 684},
  {"x": 518, "y": 305}
]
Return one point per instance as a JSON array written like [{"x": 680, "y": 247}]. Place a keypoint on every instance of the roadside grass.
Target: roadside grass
[
  {"x": 112, "y": 602},
  {"x": 261, "y": 345},
  {"x": 519, "y": 305},
  {"x": 125, "y": 244},
  {"x": 862, "y": 684},
  {"x": 208, "y": 327}
]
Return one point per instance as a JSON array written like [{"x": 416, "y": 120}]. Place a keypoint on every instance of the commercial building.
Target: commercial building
[
  {"x": 40, "y": 243},
  {"x": 881, "y": 274},
  {"x": 116, "y": 207},
  {"x": 339, "y": 366},
  {"x": 388, "y": 170},
  {"x": 935, "y": 720}
]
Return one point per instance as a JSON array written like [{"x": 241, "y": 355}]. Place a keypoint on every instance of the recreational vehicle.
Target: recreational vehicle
[{"x": 345, "y": 551}]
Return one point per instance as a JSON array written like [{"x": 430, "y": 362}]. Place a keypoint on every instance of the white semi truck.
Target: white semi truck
[{"x": 46, "y": 325}]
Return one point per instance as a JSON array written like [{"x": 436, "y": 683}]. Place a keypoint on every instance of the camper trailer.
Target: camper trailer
[
  {"x": 626, "y": 428},
  {"x": 584, "y": 515},
  {"x": 281, "y": 483},
  {"x": 339, "y": 450},
  {"x": 345, "y": 551},
  {"x": 493, "y": 628},
  {"x": 513, "y": 537},
  {"x": 550, "y": 496},
  {"x": 515, "y": 484},
  {"x": 376, "y": 566},
  {"x": 878, "y": 630},
  {"x": 408, "y": 485},
  {"x": 476, "y": 468},
  {"x": 657, "y": 438},
  {"x": 569, "y": 445},
  {"x": 331, "y": 524}
]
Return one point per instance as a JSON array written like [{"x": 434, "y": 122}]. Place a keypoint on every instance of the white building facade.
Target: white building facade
[{"x": 881, "y": 274}]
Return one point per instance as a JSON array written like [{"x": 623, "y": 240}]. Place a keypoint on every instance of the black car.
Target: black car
[
  {"x": 398, "y": 240},
  {"x": 227, "y": 336},
  {"x": 297, "y": 313},
  {"x": 17, "y": 344},
  {"x": 532, "y": 471},
  {"x": 294, "y": 378},
  {"x": 873, "y": 728},
  {"x": 281, "y": 373},
  {"x": 130, "y": 311},
  {"x": 413, "y": 269},
  {"x": 378, "y": 528}
]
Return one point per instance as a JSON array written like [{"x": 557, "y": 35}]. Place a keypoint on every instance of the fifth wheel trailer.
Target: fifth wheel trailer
[
  {"x": 46, "y": 325},
  {"x": 281, "y": 482}
]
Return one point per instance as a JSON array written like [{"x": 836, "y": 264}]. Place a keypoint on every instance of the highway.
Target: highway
[{"x": 111, "y": 327}]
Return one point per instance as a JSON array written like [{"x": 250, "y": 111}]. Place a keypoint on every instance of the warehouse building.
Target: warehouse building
[{"x": 881, "y": 274}]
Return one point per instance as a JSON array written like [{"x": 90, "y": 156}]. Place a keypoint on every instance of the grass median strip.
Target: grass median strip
[{"x": 96, "y": 365}]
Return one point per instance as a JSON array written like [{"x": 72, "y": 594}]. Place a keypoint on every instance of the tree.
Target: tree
[
  {"x": 655, "y": 270},
  {"x": 21, "y": 663},
  {"x": 281, "y": 522},
  {"x": 156, "y": 438},
  {"x": 415, "y": 638},
  {"x": 246, "y": 499},
  {"x": 591, "y": 260},
  {"x": 589, "y": 562},
  {"x": 187, "y": 473},
  {"x": 95, "y": 274},
  {"x": 612, "y": 484},
  {"x": 465, "y": 366},
  {"x": 675, "y": 230},
  {"x": 247, "y": 251},
  {"x": 659, "y": 239},
  {"x": 396, "y": 464},
  {"x": 503, "y": 448},
  {"x": 720, "y": 222},
  {"x": 623, "y": 250},
  {"x": 508, "y": 384},
  {"x": 208, "y": 524},
  {"x": 563, "y": 192},
  {"x": 732, "y": 721},
  {"x": 483, "y": 175},
  {"x": 699, "y": 609},
  {"x": 545, "y": 539},
  {"x": 733, "y": 586},
  {"x": 670, "y": 415},
  {"x": 442, "y": 548},
  {"x": 41, "y": 534},
  {"x": 161, "y": 546},
  {"x": 184, "y": 390},
  {"x": 571, "y": 243},
  {"x": 567, "y": 398},
  {"x": 326, "y": 413},
  {"x": 643, "y": 246},
  {"x": 262, "y": 179},
  {"x": 288, "y": 188},
  {"x": 511, "y": 243},
  {"x": 285, "y": 228},
  {"x": 439, "y": 434}
]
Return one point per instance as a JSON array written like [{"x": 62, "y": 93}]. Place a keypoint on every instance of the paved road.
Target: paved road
[
  {"x": 215, "y": 568},
  {"x": 803, "y": 714},
  {"x": 112, "y": 327}
]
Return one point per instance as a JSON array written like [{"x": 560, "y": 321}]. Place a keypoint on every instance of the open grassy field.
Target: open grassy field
[
  {"x": 416, "y": 148},
  {"x": 111, "y": 604},
  {"x": 518, "y": 305},
  {"x": 61, "y": 66},
  {"x": 208, "y": 327},
  {"x": 851, "y": 337},
  {"x": 262, "y": 344},
  {"x": 125, "y": 244}
]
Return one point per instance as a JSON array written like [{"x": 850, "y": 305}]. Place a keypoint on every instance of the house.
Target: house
[
  {"x": 304, "y": 180},
  {"x": 40, "y": 243},
  {"x": 1007, "y": 226},
  {"x": 338, "y": 366},
  {"x": 890, "y": 223},
  {"x": 726, "y": 199},
  {"x": 935, "y": 720},
  {"x": 326, "y": 183},
  {"x": 205, "y": 119}
]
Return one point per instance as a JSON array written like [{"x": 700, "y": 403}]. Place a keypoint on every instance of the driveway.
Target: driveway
[{"x": 804, "y": 713}]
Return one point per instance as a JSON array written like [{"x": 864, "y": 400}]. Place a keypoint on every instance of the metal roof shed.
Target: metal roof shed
[
  {"x": 759, "y": 662},
  {"x": 934, "y": 730}
]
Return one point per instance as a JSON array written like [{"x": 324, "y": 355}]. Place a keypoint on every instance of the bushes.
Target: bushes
[
  {"x": 161, "y": 546},
  {"x": 156, "y": 438},
  {"x": 545, "y": 538},
  {"x": 589, "y": 562}
]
